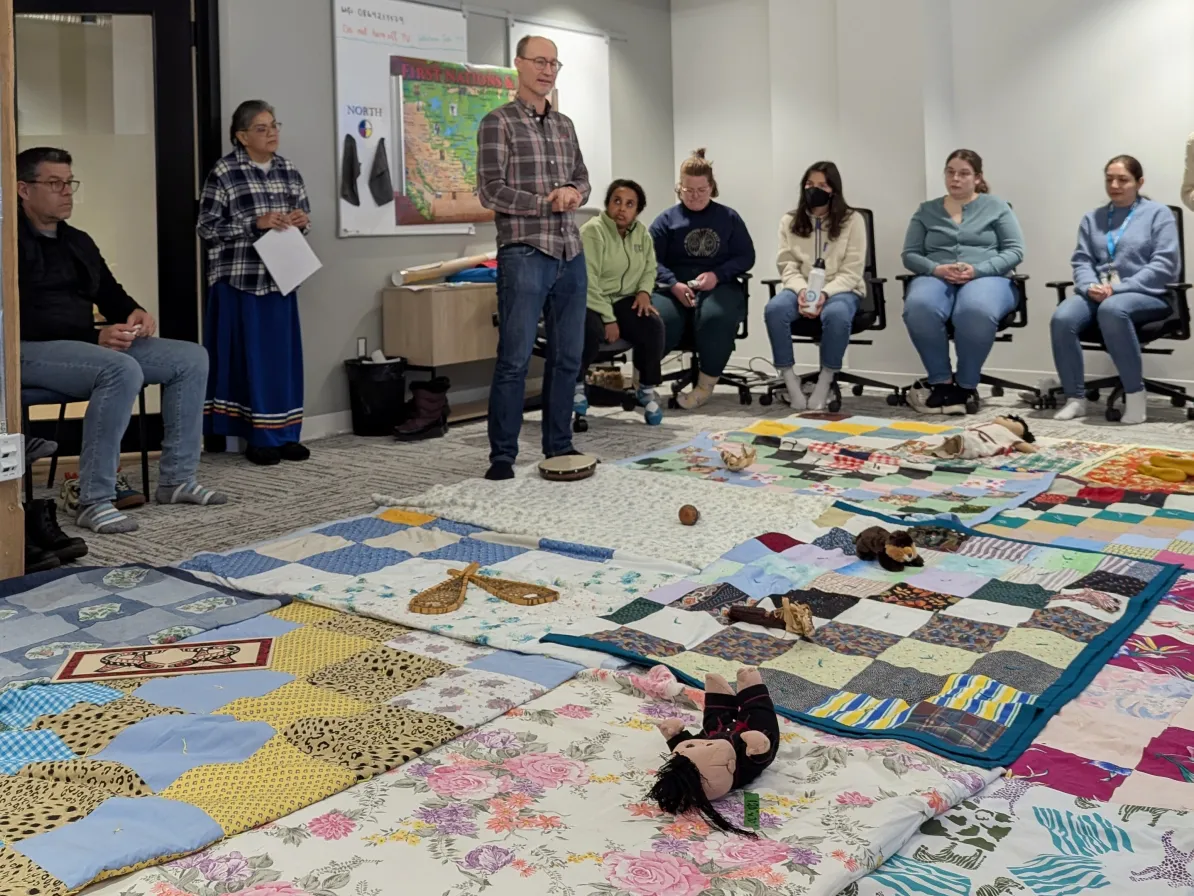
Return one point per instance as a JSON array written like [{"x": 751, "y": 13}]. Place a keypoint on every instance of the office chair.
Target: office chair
[
  {"x": 871, "y": 315},
  {"x": 599, "y": 396},
  {"x": 689, "y": 375},
  {"x": 1176, "y": 328}
]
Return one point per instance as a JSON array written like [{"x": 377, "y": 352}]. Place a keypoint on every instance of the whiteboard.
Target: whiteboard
[
  {"x": 583, "y": 88},
  {"x": 367, "y": 34}
]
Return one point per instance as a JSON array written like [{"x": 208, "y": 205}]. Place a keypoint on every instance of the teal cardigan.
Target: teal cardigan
[{"x": 988, "y": 238}]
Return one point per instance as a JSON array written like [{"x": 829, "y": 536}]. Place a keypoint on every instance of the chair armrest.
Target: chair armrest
[
  {"x": 495, "y": 319},
  {"x": 906, "y": 278},
  {"x": 1061, "y": 286},
  {"x": 1178, "y": 287},
  {"x": 771, "y": 283},
  {"x": 876, "y": 286},
  {"x": 1019, "y": 278}
]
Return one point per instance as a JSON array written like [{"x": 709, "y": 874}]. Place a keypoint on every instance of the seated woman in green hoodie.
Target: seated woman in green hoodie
[{"x": 620, "y": 258}]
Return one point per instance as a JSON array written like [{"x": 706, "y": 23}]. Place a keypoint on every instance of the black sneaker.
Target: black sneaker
[
  {"x": 37, "y": 560},
  {"x": 42, "y": 531},
  {"x": 956, "y": 400},
  {"x": 263, "y": 457},
  {"x": 927, "y": 399}
]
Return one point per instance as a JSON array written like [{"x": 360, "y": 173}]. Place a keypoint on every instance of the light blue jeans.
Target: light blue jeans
[
  {"x": 1117, "y": 316},
  {"x": 974, "y": 308},
  {"x": 533, "y": 284},
  {"x": 837, "y": 316},
  {"x": 109, "y": 382}
]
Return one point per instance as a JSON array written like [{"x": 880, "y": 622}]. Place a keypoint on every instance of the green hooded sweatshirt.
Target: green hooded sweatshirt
[{"x": 618, "y": 266}]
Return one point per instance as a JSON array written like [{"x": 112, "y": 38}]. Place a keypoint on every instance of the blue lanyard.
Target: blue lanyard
[{"x": 1114, "y": 238}]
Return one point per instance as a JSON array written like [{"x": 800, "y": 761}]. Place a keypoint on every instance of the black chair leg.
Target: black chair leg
[
  {"x": 144, "y": 444},
  {"x": 57, "y": 438},
  {"x": 999, "y": 385}
]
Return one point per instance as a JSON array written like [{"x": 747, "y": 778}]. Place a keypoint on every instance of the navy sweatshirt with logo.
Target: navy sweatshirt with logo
[{"x": 689, "y": 243}]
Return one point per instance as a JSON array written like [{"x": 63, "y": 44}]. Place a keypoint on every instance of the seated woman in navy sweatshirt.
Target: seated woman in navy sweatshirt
[
  {"x": 704, "y": 243},
  {"x": 1127, "y": 255}
]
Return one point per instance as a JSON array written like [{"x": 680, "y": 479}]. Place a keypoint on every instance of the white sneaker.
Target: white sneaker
[{"x": 1073, "y": 409}]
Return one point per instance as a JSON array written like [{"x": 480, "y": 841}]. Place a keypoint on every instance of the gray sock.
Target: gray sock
[
  {"x": 105, "y": 519},
  {"x": 189, "y": 493},
  {"x": 36, "y": 449}
]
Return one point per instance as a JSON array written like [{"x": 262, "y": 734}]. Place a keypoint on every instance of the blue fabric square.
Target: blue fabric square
[
  {"x": 747, "y": 552},
  {"x": 469, "y": 550},
  {"x": 233, "y": 566},
  {"x": 122, "y": 831},
  {"x": 540, "y": 669},
  {"x": 19, "y": 748},
  {"x": 1086, "y": 544},
  {"x": 461, "y": 529},
  {"x": 20, "y": 706},
  {"x": 258, "y": 627},
  {"x": 362, "y": 529},
  {"x": 576, "y": 551},
  {"x": 758, "y": 582},
  {"x": 1142, "y": 541},
  {"x": 162, "y": 748},
  {"x": 356, "y": 560},
  {"x": 207, "y": 693}
]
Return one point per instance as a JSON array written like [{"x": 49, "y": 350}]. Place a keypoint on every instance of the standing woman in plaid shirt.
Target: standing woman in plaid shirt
[{"x": 255, "y": 385}]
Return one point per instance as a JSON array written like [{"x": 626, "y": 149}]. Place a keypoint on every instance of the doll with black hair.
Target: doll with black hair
[
  {"x": 1008, "y": 434},
  {"x": 739, "y": 739}
]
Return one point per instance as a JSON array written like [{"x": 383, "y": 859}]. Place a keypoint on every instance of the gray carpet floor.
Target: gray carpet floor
[{"x": 266, "y": 502}]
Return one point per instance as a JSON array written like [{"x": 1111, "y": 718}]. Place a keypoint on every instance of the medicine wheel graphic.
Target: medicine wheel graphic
[{"x": 702, "y": 242}]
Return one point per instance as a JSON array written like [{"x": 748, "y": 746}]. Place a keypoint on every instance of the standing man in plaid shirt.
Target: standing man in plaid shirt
[{"x": 531, "y": 173}]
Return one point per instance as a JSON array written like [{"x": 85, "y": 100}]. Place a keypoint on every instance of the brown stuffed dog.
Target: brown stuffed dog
[{"x": 893, "y": 550}]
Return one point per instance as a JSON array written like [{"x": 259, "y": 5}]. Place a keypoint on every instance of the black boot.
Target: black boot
[
  {"x": 426, "y": 412},
  {"x": 42, "y": 530},
  {"x": 37, "y": 560}
]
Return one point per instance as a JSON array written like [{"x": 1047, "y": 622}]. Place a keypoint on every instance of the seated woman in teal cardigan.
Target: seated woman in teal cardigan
[
  {"x": 1126, "y": 258},
  {"x": 962, "y": 247}
]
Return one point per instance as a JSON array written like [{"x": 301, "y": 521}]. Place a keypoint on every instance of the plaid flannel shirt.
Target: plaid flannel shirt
[
  {"x": 521, "y": 158},
  {"x": 235, "y": 195}
]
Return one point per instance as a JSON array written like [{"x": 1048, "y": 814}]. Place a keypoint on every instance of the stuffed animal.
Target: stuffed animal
[
  {"x": 737, "y": 456},
  {"x": 738, "y": 740},
  {"x": 797, "y": 619},
  {"x": 1003, "y": 435},
  {"x": 893, "y": 550}
]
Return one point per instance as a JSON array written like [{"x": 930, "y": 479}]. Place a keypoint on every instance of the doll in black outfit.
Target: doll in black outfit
[{"x": 738, "y": 740}]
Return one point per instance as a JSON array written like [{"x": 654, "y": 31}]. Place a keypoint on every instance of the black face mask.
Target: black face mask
[{"x": 816, "y": 197}]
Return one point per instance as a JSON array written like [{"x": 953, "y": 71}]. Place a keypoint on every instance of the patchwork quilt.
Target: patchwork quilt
[
  {"x": 1123, "y": 471},
  {"x": 854, "y": 460},
  {"x": 1152, "y": 525},
  {"x": 98, "y": 780},
  {"x": 551, "y": 799},
  {"x": 47, "y": 615},
  {"x": 968, "y": 656},
  {"x": 373, "y": 565}
]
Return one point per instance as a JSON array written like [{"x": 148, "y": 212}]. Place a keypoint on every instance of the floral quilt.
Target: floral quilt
[{"x": 550, "y": 799}]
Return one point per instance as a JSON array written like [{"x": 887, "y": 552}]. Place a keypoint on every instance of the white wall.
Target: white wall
[
  {"x": 1046, "y": 92},
  {"x": 342, "y": 301}
]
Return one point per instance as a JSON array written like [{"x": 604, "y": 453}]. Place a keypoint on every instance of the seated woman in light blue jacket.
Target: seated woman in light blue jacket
[
  {"x": 962, "y": 246},
  {"x": 1126, "y": 258}
]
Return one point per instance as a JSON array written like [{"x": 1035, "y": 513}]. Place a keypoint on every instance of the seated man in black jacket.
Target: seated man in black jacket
[{"x": 62, "y": 276}]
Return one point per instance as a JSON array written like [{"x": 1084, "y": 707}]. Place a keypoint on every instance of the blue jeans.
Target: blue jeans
[
  {"x": 1117, "y": 316},
  {"x": 837, "y": 316},
  {"x": 974, "y": 308},
  {"x": 712, "y": 324},
  {"x": 532, "y": 284},
  {"x": 109, "y": 382}
]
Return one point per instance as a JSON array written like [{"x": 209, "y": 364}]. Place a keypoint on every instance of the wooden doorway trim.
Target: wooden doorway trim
[{"x": 12, "y": 517}]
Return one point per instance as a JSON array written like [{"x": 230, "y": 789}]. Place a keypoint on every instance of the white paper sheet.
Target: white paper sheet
[{"x": 288, "y": 258}]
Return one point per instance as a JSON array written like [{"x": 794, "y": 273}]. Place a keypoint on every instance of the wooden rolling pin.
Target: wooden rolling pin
[{"x": 434, "y": 271}]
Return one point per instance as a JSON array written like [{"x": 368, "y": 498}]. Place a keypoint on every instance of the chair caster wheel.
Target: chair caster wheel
[
  {"x": 997, "y": 391},
  {"x": 580, "y": 424},
  {"x": 893, "y": 400},
  {"x": 629, "y": 404},
  {"x": 673, "y": 404},
  {"x": 1092, "y": 394},
  {"x": 766, "y": 400},
  {"x": 744, "y": 396},
  {"x": 1113, "y": 415},
  {"x": 1177, "y": 402},
  {"x": 834, "y": 406},
  {"x": 856, "y": 390},
  {"x": 1190, "y": 413}
]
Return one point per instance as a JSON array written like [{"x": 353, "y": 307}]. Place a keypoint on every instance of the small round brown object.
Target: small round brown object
[{"x": 689, "y": 515}]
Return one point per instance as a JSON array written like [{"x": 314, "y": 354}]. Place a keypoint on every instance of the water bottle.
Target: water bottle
[{"x": 816, "y": 284}]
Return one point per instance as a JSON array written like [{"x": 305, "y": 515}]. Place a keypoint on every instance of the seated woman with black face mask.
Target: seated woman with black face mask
[{"x": 822, "y": 227}]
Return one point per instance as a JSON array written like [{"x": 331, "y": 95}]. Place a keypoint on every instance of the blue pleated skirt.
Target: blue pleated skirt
[{"x": 255, "y": 384}]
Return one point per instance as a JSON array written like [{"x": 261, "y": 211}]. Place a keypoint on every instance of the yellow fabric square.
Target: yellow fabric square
[
  {"x": 1049, "y": 647},
  {"x": 854, "y": 429},
  {"x": 1182, "y": 547},
  {"x": 771, "y": 428},
  {"x": 1047, "y": 531},
  {"x": 1109, "y": 526},
  {"x": 698, "y": 665},
  {"x": 820, "y": 665},
  {"x": 1131, "y": 550},
  {"x": 307, "y": 650},
  {"x": 293, "y": 701},
  {"x": 405, "y": 517},
  {"x": 910, "y": 426},
  {"x": 303, "y": 613},
  {"x": 276, "y": 780},
  {"x": 936, "y": 659},
  {"x": 834, "y": 517}
]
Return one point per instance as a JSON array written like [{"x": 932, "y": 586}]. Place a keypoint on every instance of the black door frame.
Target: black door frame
[{"x": 187, "y": 114}]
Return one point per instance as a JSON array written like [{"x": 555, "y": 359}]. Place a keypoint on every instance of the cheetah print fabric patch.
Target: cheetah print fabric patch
[
  {"x": 86, "y": 728},
  {"x": 29, "y": 807},
  {"x": 373, "y": 743},
  {"x": 21, "y": 877},
  {"x": 378, "y": 675},
  {"x": 110, "y": 778}
]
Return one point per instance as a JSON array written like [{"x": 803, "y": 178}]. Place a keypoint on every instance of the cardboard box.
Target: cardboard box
[{"x": 439, "y": 324}]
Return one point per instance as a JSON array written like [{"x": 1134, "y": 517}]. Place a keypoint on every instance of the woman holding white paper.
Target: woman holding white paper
[{"x": 255, "y": 384}]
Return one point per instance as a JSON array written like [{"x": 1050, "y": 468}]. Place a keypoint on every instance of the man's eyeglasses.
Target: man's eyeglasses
[
  {"x": 260, "y": 129},
  {"x": 57, "y": 186},
  {"x": 542, "y": 63}
]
